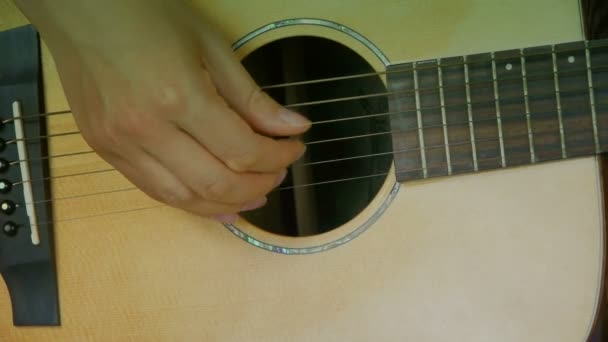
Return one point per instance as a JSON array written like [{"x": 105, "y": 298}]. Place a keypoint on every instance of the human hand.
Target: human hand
[{"x": 159, "y": 95}]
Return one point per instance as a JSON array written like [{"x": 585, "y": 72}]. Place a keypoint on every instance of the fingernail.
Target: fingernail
[
  {"x": 226, "y": 218},
  {"x": 280, "y": 179},
  {"x": 255, "y": 204},
  {"x": 293, "y": 118},
  {"x": 302, "y": 154}
]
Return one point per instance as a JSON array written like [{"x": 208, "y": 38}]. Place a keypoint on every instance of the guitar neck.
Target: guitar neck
[{"x": 499, "y": 109}]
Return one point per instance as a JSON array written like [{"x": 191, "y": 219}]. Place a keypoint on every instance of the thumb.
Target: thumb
[{"x": 241, "y": 92}]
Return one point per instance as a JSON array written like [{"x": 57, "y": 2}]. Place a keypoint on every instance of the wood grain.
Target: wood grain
[{"x": 511, "y": 255}]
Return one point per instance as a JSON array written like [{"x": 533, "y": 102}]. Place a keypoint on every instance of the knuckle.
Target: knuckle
[
  {"x": 171, "y": 193},
  {"x": 217, "y": 190},
  {"x": 171, "y": 101},
  {"x": 241, "y": 158},
  {"x": 242, "y": 162},
  {"x": 259, "y": 102},
  {"x": 170, "y": 97},
  {"x": 256, "y": 99},
  {"x": 132, "y": 123},
  {"x": 173, "y": 196}
]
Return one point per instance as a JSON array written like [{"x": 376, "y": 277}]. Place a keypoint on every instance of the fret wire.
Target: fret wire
[
  {"x": 419, "y": 121},
  {"x": 470, "y": 114},
  {"x": 558, "y": 102},
  {"x": 596, "y": 139},
  {"x": 498, "y": 114},
  {"x": 444, "y": 121},
  {"x": 527, "y": 106}
]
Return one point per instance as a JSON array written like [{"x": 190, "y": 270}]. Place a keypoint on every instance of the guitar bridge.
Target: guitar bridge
[{"x": 27, "y": 261}]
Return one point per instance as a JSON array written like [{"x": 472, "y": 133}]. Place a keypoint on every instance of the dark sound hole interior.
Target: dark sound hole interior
[{"x": 298, "y": 208}]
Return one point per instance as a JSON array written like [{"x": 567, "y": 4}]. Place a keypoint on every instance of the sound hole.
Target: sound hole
[{"x": 320, "y": 193}]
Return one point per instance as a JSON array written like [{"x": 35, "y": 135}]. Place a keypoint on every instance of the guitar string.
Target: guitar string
[
  {"x": 124, "y": 211},
  {"x": 164, "y": 205},
  {"x": 403, "y": 92},
  {"x": 424, "y": 66},
  {"x": 474, "y": 103},
  {"x": 283, "y": 85},
  {"x": 497, "y": 159},
  {"x": 328, "y": 160},
  {"x": 34, "y": 116},
  {"x": 64, "y": 176},
  {"x": 71, "y": 154},
  {"x": 416, "y": 129},
  {"x": 505, "y": 119},
  {"x": 459, "y": 143},
  {"x": 309, "y": 103},
  {"x": 366, "y": 116},
  {"x": 434, "y": 89},
  {"x": 103, "y": 214},
  {"x": 514, "y": 59}
]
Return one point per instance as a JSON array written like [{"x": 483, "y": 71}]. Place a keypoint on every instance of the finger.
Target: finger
[
  {"x": 231, "y": 218},
  {"x": 228, "y": 137},
  {"x": 226, "y": 218},
  {"x": 241, "y": 92},
  {"x": 160, "y": 184},
  {"x": 221, "y": 211},
  {"x": 204, "y": 174}
]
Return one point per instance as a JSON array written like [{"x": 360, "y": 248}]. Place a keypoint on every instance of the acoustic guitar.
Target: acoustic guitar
[{"x": 452, "y": 188}]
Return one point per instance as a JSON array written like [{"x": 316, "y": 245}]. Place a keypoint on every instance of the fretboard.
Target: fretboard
[{"x": 500, "y": 109}]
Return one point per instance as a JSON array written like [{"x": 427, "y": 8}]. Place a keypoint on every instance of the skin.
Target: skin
[{"x": 160, "y": 96}]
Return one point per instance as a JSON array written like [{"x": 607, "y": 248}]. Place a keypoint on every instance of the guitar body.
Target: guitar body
[{"x": 507, "y": 255}]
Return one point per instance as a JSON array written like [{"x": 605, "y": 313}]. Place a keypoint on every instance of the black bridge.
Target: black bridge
[{"x": 27, "y": 261}]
